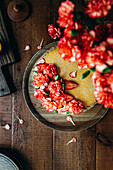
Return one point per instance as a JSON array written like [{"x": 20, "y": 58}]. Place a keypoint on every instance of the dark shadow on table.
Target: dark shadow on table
[{"x": 9, "y": 79}]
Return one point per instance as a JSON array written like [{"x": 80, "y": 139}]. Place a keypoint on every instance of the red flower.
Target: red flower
[
  {"x": 39, "y": 94},
  {"x": 98, "y": 8},
  {"x": 95, "y": 76},
  {"x": 98, "y": 56},
  {"x": 75, "y": 107},
  {"x": 54, "y": 86},
  {"x": 53, "y": 32},
  {"x": 65, "y": 21},
  {"x": 74, "y": 48},
  {"x": 103, "y": 31},
  {"x": 84, "y": 42},
  {"x": 49, "y": 105},
  {"x": 60, "y": 102},
  {"x": 68, "y": 51},
  {"x": 40, "y": 80},
  {"x": 40, "y": 67},
  {"x": 65, "y": 14},
  {"x": 104, "y": 90},
  {"x": 110, "y": 81},
  {"x": 50, "y": 70}
]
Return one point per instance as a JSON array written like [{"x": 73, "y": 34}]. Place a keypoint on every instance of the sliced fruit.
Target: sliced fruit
[
  {"x": 68, "y": 97},
  {"x": 70, "y": 85}
]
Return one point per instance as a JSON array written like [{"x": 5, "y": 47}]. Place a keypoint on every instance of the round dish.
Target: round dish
[
  {"x": 53, "y": 120},
  {"x": 7, "y": 163}
]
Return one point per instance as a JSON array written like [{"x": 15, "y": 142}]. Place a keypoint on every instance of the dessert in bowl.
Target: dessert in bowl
[
  {"x": 59, "y": 86},
  {"x": 82, "y": 92}
]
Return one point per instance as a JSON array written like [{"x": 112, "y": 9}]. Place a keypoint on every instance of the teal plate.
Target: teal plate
[{"x": 6, "y": 163}]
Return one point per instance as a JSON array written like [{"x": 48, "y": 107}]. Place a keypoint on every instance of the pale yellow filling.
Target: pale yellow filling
[{"x": 85, "y": 88}]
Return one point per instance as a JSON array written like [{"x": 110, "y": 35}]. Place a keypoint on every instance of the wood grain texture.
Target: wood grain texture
[
  {"x": 32, "y": 140},
  {"x": 6, "y": 55},
  {"x": 104, "y": 154},
  {"x": 75, "y": 156},
  {"x": 39, "y": 147},
  {"x": 5, "y": 117}
]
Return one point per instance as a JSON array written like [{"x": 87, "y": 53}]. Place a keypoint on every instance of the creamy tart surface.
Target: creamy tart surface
[{"x": 85, "y": 88}]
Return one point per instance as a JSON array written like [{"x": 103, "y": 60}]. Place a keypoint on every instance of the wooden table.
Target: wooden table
[{"x": 35, "y": 145}]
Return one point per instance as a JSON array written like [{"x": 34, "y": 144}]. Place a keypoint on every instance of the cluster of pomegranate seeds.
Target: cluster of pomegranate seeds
[
  {"x": 98, "y": 8},
  {"x": 50, "y": 89},
  {"x": 54, "y": 32}
]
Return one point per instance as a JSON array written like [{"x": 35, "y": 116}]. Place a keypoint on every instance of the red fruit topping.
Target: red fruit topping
[
  {"x": 70, "y": 85},
  {"x": 68, "y": 97},
  {"x": 60, "y": 102},
  {"x": 53, "y": 31},
  {"x": 73, "y": 74},
  {"x": 75, "y": 107},
  {"x": 39, "y": 94},
  {"x": 51, "y": 92},
  {"x": 49, "y": 105},
  {"x": 54, "y": 86},
  {"x": 40, "y": 67},
  {"x": 40, "y": 80},
  {"x": 64, "y": 109},
  {"x": 98, "y": 8},
  {"x": 50, "y": 70}
]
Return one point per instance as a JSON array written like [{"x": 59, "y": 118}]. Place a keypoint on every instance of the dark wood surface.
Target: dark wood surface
[{"x": 36, "y": 146}]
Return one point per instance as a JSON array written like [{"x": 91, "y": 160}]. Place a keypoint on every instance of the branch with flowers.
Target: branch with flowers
[{"x": 88, "y": 40}]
